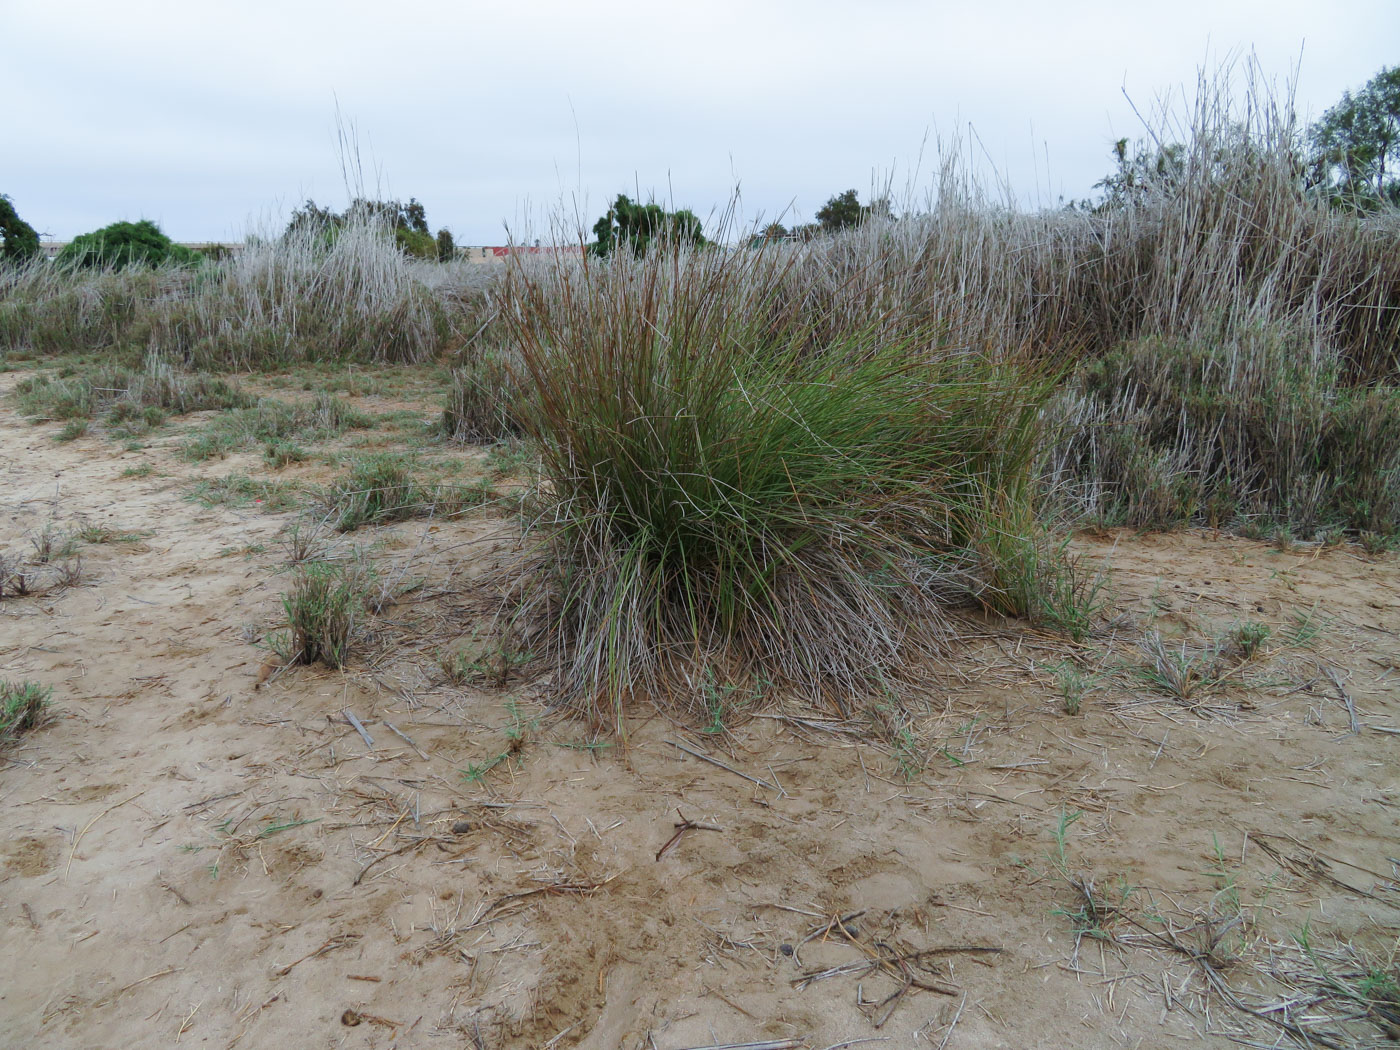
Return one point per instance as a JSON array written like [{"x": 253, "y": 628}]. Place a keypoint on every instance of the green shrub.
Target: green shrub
[
  {"x": 126, "y": 244},
  {"x": 18, "y": 240},
  {"x": 416, "y": 244}
]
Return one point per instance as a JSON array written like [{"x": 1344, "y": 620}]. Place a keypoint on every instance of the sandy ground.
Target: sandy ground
[{"x": 199, "y": 848}]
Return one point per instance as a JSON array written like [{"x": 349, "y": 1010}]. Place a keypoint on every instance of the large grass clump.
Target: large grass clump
[{"x": 720, "y": 497}]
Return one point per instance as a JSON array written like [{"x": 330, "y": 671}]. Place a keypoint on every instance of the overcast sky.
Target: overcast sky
[{"x": 215, "y": 117}]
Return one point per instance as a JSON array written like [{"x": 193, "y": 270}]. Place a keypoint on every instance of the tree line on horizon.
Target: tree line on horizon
[{"x": 1350, "y": 157}]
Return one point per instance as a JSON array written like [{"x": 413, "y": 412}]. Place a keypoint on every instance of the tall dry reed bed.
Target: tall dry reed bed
[
  {"x": 301, "y": 297},
  {"x": 723, "y": 502},
  {"x": 1229, "y": 342}
]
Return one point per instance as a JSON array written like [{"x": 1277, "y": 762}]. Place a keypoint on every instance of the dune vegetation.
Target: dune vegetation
[{"x": 780, "y": 461}]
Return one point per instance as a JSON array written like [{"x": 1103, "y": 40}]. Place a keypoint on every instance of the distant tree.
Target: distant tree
[
  {"x": 1355, "y": 155},
  {"x": 774, "y": 231},
  {"x": 312, "y": 217},
  {"x": 407, "y": 223},
  {"x": 416, "y": 243},
  {"x": 845, "y": 210},
  {"x": 413, "y": 216},
  {"x": 18, "y": 241},
  {"x": 840, "y": 211},
  {"x": 446, "y": 247},
  {"x": 635, "y": 227},
  {"x": 1138, "y": 172},
  {"x": 878, "y": 208},
  {"x": 126, "y": 244}
]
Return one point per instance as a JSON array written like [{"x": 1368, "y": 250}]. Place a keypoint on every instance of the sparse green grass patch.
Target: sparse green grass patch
[
  {"x": 377, "y": 489},
  {"x": 134, "y": 401},
  {"x": 278, "y": 454},
  {"x": 105, "y": 534},
  {"x": 275, "y": 425},
  {"x": 239, "y": 490},
  {"x": 381, "y": 488}
]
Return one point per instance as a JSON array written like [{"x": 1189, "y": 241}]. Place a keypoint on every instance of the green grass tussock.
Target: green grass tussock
[
  {"x": 714, "y": 497},
  {"x": 376, "y": 490},
  {"x": 322, "y": 609}
]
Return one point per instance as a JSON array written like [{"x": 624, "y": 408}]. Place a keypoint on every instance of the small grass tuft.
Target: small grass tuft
[
  {"x": 322, "y": 609},
  {"x": 1303, "y": 628},
  {"x": 1074, "y": 684},
  {"x": 304, "y": 541},
  {"x": 278, "y": 454},
  {"x": 482, "y": 661},
  {"x": 482, "y": 405},
  {"x": 1248, "y": 638},
  {"x": 377, "y": 489},
  {"x": 1181, "y": 672},
  {"x": 21, "y": 706},
  {"x": 1092, "y": 913},
  {"x": 72, "y": 430},
  {"x": 99, "y": 534}
]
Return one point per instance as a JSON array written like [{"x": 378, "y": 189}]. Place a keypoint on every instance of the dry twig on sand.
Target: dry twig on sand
[
  {"x": 909, "y": 968},
  {"x": 681, "y": 828}
]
